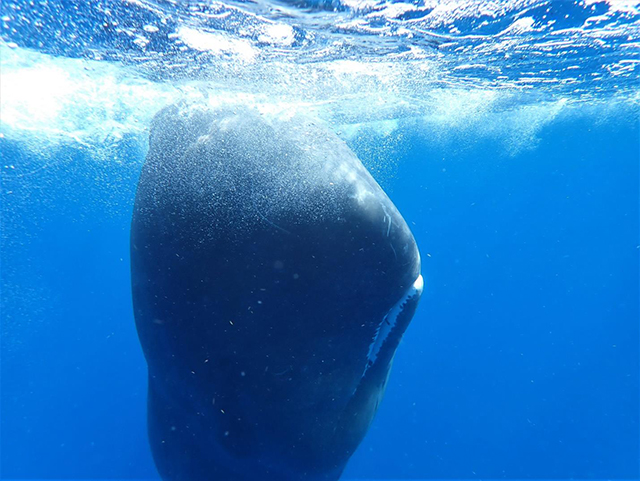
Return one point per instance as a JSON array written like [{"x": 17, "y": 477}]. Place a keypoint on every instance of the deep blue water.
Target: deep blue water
[
  {"x": 522, "y": 361},
  {"x": 506, "y": 133}
]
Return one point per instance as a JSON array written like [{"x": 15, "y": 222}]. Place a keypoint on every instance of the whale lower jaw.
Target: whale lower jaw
[{"x": 390, "y": 320}]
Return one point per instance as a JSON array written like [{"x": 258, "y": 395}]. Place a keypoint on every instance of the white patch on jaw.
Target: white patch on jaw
[{"x": 389, "y": 321}]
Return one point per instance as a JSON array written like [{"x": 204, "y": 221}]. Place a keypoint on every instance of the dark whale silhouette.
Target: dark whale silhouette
[{"x": 272, "y": 282}]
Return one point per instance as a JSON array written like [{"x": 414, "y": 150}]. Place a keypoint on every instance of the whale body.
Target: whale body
[{"x": 272, "y": 281}]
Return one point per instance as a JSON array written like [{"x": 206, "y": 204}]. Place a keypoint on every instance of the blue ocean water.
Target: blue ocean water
[{"x": 507, "y": 134}]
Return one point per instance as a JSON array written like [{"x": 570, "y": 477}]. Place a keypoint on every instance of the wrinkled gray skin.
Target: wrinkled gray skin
[{"x": 272, "y": 281}]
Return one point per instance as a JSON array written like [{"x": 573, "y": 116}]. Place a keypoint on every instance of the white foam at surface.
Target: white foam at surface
[
  {"x": 216, "y": 43},
  {"x": 277, "y": 34},
  {"x": 78, "y": 101},
  {"x": 94, "y": 103}
]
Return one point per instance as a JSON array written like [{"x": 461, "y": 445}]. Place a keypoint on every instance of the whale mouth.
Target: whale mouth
[
  {"x": 370, "y": 387},
  {"x": 390, "y": 322}
]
